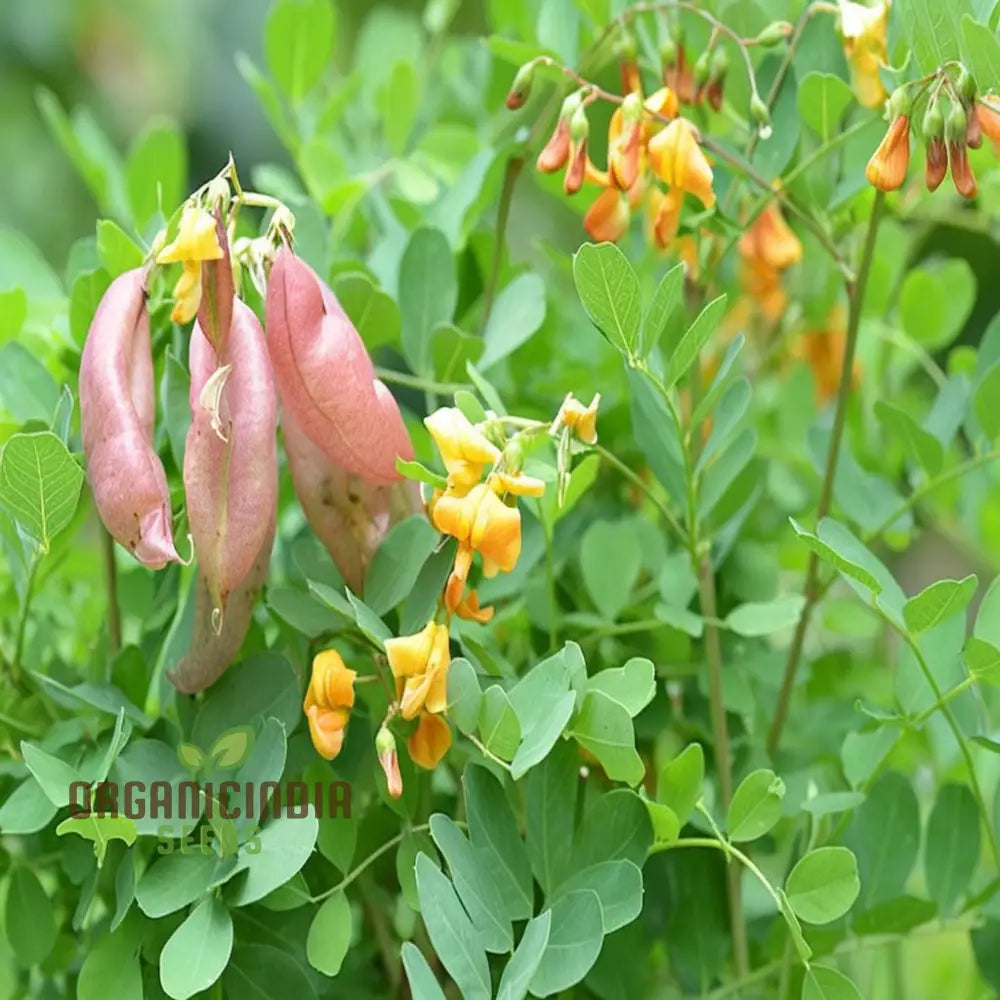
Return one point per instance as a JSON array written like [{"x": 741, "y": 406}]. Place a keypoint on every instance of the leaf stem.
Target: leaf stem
[
  {"x": 392, "y": 377},
  {"x": 111, "y": 585},
  {"x": 856, "y": 296}
]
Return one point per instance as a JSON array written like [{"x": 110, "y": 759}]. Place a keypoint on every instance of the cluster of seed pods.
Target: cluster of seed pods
[{"x": 342, "y": 431}]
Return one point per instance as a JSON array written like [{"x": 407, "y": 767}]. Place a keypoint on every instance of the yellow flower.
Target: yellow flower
[
  {"x": 608, "y": 216},
  {"x": 420, "y": 665},
  {"x": 886, "y": 169},
  {"x": 863, "y": 30},
  {"x": 770, "y": 240},
  {"x": 430, "y": 741},
  {"x": 518, "y": 484},
  {"x": 464, "y": 450},
  {"x": 580, "y": 419},
  {"x": 483, "y": 521},
  {"x": 328, "y": 702},
  {"x": 677, "y": 159},
  {"x": 196, "y": 241}
]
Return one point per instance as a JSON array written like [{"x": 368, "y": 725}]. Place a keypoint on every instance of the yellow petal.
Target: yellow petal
[
  {"x": 430, "y": 741},
  {"x": 196, "y": 239}
]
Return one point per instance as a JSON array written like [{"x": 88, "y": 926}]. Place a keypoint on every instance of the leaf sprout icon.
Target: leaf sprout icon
[{"x": 228, "y": 751}]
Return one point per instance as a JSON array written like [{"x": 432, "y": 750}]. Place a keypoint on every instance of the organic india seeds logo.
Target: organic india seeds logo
[{"x": 222, "y": 788}]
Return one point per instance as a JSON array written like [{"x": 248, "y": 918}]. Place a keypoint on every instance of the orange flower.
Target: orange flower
[
  {"x": 864, "y": 33},
  {"x": 987, "y": 113},
  {"x": 430, "y": 741},
  {"x": 625, "y": 142},
  {"x": 666, "y": 210},
  {"x": 608, "y": 217},
  {"x": 677, "y": 159},
  {"x": 961, "y": 171},
  {"x": 762, "y": 287},
  {"x": 328, "y": 701},
  {"x": 886, "y": 169},
  {"x": 823, "y": 351},
  {"x": 483, "y": 521},
  {"x": 468, "y": 608},
  {"x": 420, "y": 665},
  {"x": 464, "y": 450},
  {"x": 517, "y": 484},
  {"x": 770, "y": 240},
  {"x": 679, "y": 77},
  {"x": 580, "y": 419}
]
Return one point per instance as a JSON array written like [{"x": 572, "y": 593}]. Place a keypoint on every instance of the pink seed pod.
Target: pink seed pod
[
  {"x": 230, "y": 456},
  {"x": 349, "y": 515},
  {"x": 325, "y": 378},
  {"x": 117, "y": 410},
  {"x": 213, "y": 650}
]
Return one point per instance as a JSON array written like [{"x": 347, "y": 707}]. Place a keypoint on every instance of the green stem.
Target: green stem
[
  {"x": 550, "y": 587},
  {"x": 16, "y": 669},
  {"x": 515, "y": 164},
  {"x": 417, "y": 382},
  {"x": 111, "y": 584},
  {"x": 943, "y": 700},
  {"x": 856, "y": 298}
]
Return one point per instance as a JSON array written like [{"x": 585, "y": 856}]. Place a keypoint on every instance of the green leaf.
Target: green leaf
[
  {"x": 465, "y": 697},
  {"x": 470, "y": 870},
  {"x": 398, "y": 104},
  {"x": 88, "y": 288},
  {"x": 983, "y": 659},
  {"x": 604, "y": 727},
  {"x": 198, "y": 951},
  {"x": 549, "y": 813},
  {"x": 298, "y": 43},
  {"x": 285, "y": 845},
  {"x": 27, "y": 390},
  {"x": 117, "y": 250},
  {"x": 680, "y": 781},
  {"x": 330, "y": 935},
  {"x": 521, "y": 968},
  {"x": 290, "y": 896},
  {"x": 609, "y": 290},
  {"x": 618, "y": 885},
  {"x": 574, "y": 943},
  {"x": 922, "y": 446},
  {"x": 836, "y": 559},
  {"x": 616, "y": 826},
  {"x": 610, "y": 559},
  {"x": 666, "y": 298},
  {"x": 27, "y": 809},
  {"x": 694, "y": 340},
  {"x": 40, "y": 484},
  {"x": 517, "y": 313},
  {"x": 374, "y": 313},
  {"x": 932, "y": 29},
  {"x": 984, "y": 402},
  {"x": 822, "y": 983},
  {"x": 428, "y": 292},
  {"x": 174, "y": 881},
  {"x": 493, "y": 828},
  {"x": 498, "y": 724},
  {"x": 982, "y": 50},
  {"x": 934, "y": 304},
  {"x": 13, "y": 313},
  {"x": 101, "y": 830},
  {"x": 397, "y": 563},
  {"x": 156, "y": 171},
  {"x": 633, "y": 685},
  {"x": 411, "y": 846},
  {"x": 764, "y": 617},
  {"x": 421, "y": 474},
  {"x": 938, "y": 602},
  {"x": 54, "y": 775},
  {"x": 539, "y": 739},
  {"x": 822, "y": 100},
  {"x": 232, "y": 747},
  {"x": 823, "y": 885},
  {"x": 455, "y": 940},
  {"x": 681, "y": 619},
  {"x": 261, "y": 971},
  {"x": 29, "y": 919},
  {"x": 423, "y": 985},
  {"x": 111, "y": 970},
  {"x": 831, "y": 803},
  {"x": 951, "y": 852},
  {"x": 756, "y": 805},
  {"x": 794, "y": 927}
]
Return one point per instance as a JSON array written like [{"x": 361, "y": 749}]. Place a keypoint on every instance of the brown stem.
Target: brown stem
[{"x": 856, "y": 297}]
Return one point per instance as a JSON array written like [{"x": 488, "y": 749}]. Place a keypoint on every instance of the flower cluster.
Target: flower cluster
[
  {"x": 766, "y": 250},
  {"x": 954, "y": 121}
]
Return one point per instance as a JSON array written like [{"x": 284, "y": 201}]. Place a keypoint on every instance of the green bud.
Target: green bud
[
  {"x": 632, "y": 108},
  {"x": 761, "y": 116},
  {"x": 520, "y": 89},
  {"x": 720, "y": 66},
  {"x": 385, "y": 742},
  {"x": 571, "y": 105},
  {"x": 933, "y": 123},
  {"x": 579, "y": 127},
  {"x": 625, "y": 49},
  {"x": 702, "y": 67},
  {"x": 513, "y": 455},
  {"x": 966, "y": 85},
  {"x": 668, "y": 51},
  {"x": 956, "y": 123},
  {"x": 900, "y": 102},
  {"x": 774, "y": 34}
]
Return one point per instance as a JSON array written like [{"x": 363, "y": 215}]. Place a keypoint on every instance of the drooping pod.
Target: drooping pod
[
  {"x": 213, "y": 649},
  {"x": 325, "y": 378},
  {"x": 230, "y": 456},
  {"x": 117, "y": 411},
  {"x": 348, "y": 514}
]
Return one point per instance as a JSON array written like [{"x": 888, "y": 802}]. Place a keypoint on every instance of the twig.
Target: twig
[{"x": 856, "y": 297}]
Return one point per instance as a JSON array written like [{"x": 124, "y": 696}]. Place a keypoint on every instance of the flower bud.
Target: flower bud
[
  {"x": 520, "y": 89},
  {"x": 774, "y": 34},
  {"x": 933, "y": 123},
  {"x": 117, "y": 401},
  {"x": 760, "y": 115},
  {"x": 719, "y": 66},
  {"x": 631, "y": 109},
  {"x": 956, "y": 123},
  {"x": 625, "y": 49},
  {"x": 900, "y": 102},
  {"x": 385, "y": 747},
  {"x": 966, "y": 85},
  {"x": 668, "y": 51},
  {"x": 702, "y": 67},
  {"x": 579, "y": 126}
]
